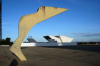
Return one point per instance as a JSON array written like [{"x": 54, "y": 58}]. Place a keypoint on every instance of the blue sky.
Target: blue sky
[{"x": 81, "y": 21}]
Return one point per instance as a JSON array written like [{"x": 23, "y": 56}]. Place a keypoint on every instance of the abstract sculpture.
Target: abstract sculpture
[{"x": 26, "y": 22}]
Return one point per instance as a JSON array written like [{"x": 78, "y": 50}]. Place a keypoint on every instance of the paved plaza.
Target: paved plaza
[{"x": 81, "y": 55}]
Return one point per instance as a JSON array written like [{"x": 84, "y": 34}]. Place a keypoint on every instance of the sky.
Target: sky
[{"x": 81, "y": 21}]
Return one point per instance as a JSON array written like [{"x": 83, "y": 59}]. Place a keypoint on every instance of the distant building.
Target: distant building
[
  {"x": 58, "y": 39},
  {"x": 51, "y": 39},
  {"x": 0, "y": 19},
  {"x": 31, "y": 40}
]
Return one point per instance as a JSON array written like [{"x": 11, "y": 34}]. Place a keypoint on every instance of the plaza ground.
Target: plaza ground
[{"x": 81, "y": 55}]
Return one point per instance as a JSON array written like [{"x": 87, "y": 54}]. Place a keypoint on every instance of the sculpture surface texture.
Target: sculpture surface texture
[{"x": 26, "y": 22}]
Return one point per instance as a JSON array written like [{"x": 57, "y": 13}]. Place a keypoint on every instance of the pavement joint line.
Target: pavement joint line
[{"x": 5, "y": 53}]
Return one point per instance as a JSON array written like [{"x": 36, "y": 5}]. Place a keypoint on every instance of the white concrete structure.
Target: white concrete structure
[
  {"x": 59, "y": 39},
  {"x": 53, "y": 41},
  {"x": 47, "y": 44},
  {"x": 65, "y": 39},
  {"x": 56, "y": 39}
]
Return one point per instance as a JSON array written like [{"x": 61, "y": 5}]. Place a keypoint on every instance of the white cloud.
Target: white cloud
[
  {"x": 78, "y": 33},
  {"x": 86, "y": 34},
  {"x": 95, "y": 34}
]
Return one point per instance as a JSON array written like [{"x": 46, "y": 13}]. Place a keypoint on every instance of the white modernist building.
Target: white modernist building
[
  {"x": 52, "y": 41},
  {"x": 58, "y": 39}
]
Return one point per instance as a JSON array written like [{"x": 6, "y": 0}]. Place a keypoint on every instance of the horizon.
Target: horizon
[{"x": 81, "y": 21}]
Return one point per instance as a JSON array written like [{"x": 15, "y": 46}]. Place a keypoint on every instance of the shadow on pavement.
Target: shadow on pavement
[
  {"x": 23, "y": 47},
  {"x": 14, "y": 63},
  {"x": 15, "y": 55},
  {"x": 93, "y": 48}
]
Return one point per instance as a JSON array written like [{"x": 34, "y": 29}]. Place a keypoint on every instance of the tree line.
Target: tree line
[{"x": 6, "y": 42}]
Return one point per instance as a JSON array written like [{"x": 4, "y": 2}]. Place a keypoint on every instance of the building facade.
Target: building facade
[{"x": 0, "y": 19}]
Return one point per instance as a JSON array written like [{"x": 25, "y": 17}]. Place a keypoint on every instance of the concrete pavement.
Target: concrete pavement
[{"x": 53, "y": 56}]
